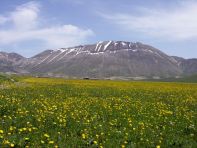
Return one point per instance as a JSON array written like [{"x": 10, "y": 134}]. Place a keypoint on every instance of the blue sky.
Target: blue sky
[{"x": 29, "y": 27}]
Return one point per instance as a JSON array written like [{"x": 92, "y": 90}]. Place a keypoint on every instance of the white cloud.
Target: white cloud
[
  {"x": 25, "y": 25},
  {"x": 25, "y": 16},
  {"x": 179, "y": 23},
  {"x": 3, "y": 19},
  {"x": 53, "y": 37}
]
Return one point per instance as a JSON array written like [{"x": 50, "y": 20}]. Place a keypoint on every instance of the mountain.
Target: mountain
[
  {"x": 189, "y": 66},
  {"x": 8, "y": 61},
  {"x": 106, "y": 60}
]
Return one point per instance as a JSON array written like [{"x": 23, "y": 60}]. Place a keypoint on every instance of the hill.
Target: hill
[{"x": 108, "y": 59}]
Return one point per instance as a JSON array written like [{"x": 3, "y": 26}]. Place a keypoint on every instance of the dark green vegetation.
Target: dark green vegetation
[
  {"x": 85, "y": 113},
  {"x": 5, "y": 78},
  {"x": 187, "y": 79}
]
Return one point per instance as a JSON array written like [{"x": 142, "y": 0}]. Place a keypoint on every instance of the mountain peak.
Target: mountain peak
[
  {"x": 101, "y": 60},
  {"x": 11, "y": 55},
  {"x": 108, "y": 46}
]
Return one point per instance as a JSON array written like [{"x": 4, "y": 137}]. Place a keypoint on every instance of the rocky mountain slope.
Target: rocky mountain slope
[
  {"x": 8, "y": 61},
  {"x": 107, "y": 59}
]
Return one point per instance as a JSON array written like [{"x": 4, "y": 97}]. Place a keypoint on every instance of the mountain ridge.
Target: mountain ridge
[{"x": 106, "y": 59}]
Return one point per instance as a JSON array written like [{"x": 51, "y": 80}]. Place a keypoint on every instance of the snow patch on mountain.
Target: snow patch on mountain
[{"x": 105, "y": 47}]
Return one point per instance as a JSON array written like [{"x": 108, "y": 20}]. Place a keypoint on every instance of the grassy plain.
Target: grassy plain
[{"x": 46, "y": 112}]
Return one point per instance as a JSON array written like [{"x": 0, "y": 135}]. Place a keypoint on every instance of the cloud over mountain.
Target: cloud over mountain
[
  {"x": 179, "y": 23},
  {"x": 26, "y": 23}
]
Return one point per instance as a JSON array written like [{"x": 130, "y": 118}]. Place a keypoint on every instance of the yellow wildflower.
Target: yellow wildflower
[
  {"x": 46, "y": 135},
  {"x": 51, "y": 142},
  {"x": 83, "y": 136},
  {"x": 42, "y": 142},
  {"x": 11, "y": 145},
  {"x": 95, "y": 142}
]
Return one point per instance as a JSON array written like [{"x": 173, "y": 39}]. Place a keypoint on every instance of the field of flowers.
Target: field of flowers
[{"x": 44, "y": 112}]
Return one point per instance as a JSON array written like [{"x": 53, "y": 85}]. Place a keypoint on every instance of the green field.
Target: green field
[
  {"x": 46, "y": 112},
  {"x": 4, "y": 78}
]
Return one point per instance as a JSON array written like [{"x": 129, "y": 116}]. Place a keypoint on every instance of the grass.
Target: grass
[
  {"x": 188, "y": 79},
  {"x": 90, "y": 113},
  {"x": 3, "y": 78},
  {"x": 9, "y": 78},
  {"x": 184, "y": 79}
]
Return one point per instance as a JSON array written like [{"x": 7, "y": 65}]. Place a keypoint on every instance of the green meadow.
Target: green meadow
[{"x": 49, "y": 112}]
